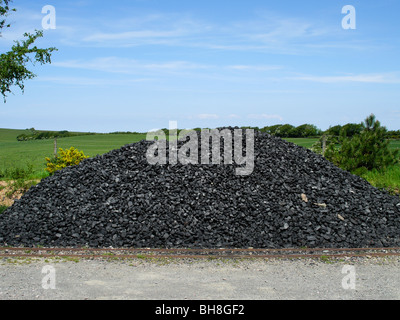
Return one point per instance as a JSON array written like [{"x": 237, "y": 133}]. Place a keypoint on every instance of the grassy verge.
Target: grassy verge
[{"x": 388, "y": 179}]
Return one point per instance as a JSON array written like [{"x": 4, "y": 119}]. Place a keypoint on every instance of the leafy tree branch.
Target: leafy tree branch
[{"x": 13, "y": 64}]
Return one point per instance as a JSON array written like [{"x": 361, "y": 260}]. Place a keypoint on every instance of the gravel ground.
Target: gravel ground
[{"x": 163, "y": 279}]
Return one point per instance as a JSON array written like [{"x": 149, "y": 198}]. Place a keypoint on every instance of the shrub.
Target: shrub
[
  {"x": 17, "y": 173},
  {"x": 325, "y": 139},
  {"x": 21, "y": 173},
  {"x": 365, "y": 151},
  {"x": 67, "y": 158},
  {"x": 32, "y": 134}
]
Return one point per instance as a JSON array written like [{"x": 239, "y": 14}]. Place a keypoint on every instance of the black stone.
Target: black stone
[{"x": 118, "y": 199}]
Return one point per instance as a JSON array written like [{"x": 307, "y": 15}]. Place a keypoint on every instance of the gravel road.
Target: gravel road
[{"x": 140, "y": 279}]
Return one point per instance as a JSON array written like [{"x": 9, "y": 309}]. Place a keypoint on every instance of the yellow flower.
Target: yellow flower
[{"x": 66, "y": 158}]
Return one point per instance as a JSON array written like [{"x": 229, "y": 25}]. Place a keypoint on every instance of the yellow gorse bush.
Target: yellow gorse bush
[{"x": 66, "y": 158}]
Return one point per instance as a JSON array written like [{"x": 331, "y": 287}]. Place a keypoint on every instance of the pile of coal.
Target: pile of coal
[{"x": 292, "y": 198}]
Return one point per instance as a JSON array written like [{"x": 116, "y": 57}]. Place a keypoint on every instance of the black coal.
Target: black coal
[{"x": 293, "y": 198}]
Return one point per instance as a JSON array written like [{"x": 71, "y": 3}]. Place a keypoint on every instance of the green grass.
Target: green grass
[
  {"x": 303, "y": 142},
  {"x": 10, "y": 135},
  {"x": 388, "y": 179},
  {"x": 22, "y": 155},
  {"x": 394, "y": 144}
]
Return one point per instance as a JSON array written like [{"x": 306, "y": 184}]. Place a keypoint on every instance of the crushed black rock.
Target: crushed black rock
[{"x": 293, "y": 198}]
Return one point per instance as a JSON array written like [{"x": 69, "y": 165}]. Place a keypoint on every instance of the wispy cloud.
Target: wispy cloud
[
  {"x": 135, "y": 67},
  {"x": 263, "y": 32},
  {"x": 254, "y": 67},
  {"x": 362, "y": 78},
  {"x": 132, "y": 35},
  {"x": 87, "y": 81},
  {"x": 281, "y": 29},
  {"x": 266, "y": 33},
  {"x": 178, "y": 29},
  {"x": 127, "y": 66}
]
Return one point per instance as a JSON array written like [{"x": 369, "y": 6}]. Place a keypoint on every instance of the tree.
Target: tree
[
  {"x": 364, "y": 151},
  {"x": 333, "y": 131},
  {"x": 13, "y": 64},
  {"x": 285, "y": 131},
  {"x": 271, "y": 129},
  {"x": 352, "y": 129},
  {"x": 307, "y": 130}
]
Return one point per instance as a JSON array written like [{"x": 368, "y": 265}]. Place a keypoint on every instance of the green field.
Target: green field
[
  {"x": 17, "y": 154},
  {"x": 304, "y": 142},
  {"x": 395, "y": 144}
]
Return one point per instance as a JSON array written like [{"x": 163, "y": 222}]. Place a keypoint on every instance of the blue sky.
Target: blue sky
[{"x": 136, "y": 65}]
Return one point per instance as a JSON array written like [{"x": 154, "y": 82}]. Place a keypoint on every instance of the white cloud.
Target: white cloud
[
  {"x": 362, "y": 78},
  {"x": 127, "y": 66},
  {"x": 85, "y": 81},
  {"x": 152, "y": 29},
  {"x": 265, "y": 32},
  {"x": 131, "y": 35},
  {"x": 253, "y": 67},
  {"x": 286, "y": 29},
  {"x": 147, "y": 68},
  {"x": 284, "y": 34}
]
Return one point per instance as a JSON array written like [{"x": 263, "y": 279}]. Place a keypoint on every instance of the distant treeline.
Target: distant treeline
[
  {"x": 279, "y": 130},
  {"x": 304, "y": 130},
  {"x": 32, "y": 134},
  {"x": 309, "y": 131},
  {"x": 284, "y": 131},
  {"x": 393, "y": 134},
  {"x": 125, "y": 132}
]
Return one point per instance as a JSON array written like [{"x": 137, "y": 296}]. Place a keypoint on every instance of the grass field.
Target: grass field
[
  {"x": 15, "y": 154},
  {"x": 304, "y": 142},
  {"x": 395, "y": 144}
]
